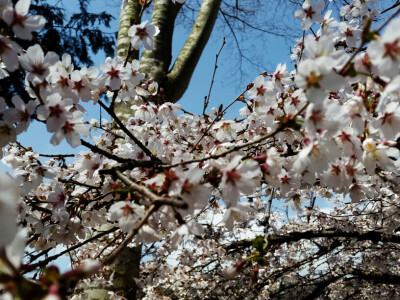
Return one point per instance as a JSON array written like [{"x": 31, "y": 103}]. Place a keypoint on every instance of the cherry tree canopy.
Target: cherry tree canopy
[{"x": 203, "y": 194}]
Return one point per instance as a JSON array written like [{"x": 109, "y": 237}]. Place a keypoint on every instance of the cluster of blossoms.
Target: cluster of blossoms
[{"x": 206, "y": 192}]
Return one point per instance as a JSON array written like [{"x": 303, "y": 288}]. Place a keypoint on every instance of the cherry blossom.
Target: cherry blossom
[
  {"x": 310, "y": 13},
  {"x": 127, "y": 214},
  {"x": 114, "y": 72},
  {"x": 71, "y": 129},
  {"x": 37, "y": 63},
  {"x": 22, "y": 24},
  {"x": 351, "y": 32},
  {"x": 8, "y": 210},
  {"x": 385, "y": 52},
  {"x": 239, "y": 177},
  {"x": 20, "y": 114},
  {"x": 143, "y": 33},
  {"x": 316, "y": 77},
  {"x": 9, "y": 51},
  {"x": 276, "y": 203}
]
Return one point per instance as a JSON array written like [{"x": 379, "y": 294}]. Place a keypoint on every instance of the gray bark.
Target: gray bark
[{"x": 124, "y": 269}]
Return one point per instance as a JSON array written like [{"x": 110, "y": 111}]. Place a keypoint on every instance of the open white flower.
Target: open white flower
[
  {"x": 37, "y": 63},
  {"x": 22, "y": 24},
  {"x": 9, "y": 51},
  {"x": 114, "y": 71},
  {"x": 375, "y": 153},
  {"x": 71, "y": 129},
  {"x": 385, "y": 52},
  {"x": 227, "y": 130},
  {"x": 239, "y": 177},
  {"x": 317, "y": 77},
  {"x": 21, "y": 113},
  {"x": 143, "y": 33},
  {"x": 127, "y": 214},
  {"x": 310, "y": 13}
]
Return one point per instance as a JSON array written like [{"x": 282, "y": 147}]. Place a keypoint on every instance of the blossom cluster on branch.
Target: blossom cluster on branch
[{"x": 202, "y": 191}]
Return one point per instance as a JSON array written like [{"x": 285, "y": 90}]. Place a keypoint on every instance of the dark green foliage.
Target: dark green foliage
[{"x": 70, "y": 28}]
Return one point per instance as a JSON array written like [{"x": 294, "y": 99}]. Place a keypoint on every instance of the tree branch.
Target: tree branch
[
  {"x": 155, "y": 63},
  {"x": 373, "y": 236},
  {"x": 179, "y": 77},
  {"x": 146, "y": 192},
  {"x": 28, "y": 268}
]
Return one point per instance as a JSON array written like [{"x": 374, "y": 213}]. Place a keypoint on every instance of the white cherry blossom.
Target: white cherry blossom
[
  {"x": 22, "y": 24},
  {"x": 310, "y": 13},
  {"x": 143, "y": 34}
]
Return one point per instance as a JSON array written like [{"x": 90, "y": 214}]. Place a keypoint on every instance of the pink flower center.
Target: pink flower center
[
  {"x": 141, "y": 33},
  {"x": 68, "y": 127},
  {"x": 233, "y": 176},
  {"x": 127, "y": 210},
  {"x": 55, "y": 111},
  {"x": 285, "y": 179},
  {"x": 19, "y": 20},
  {"x": 63, "y": 81},
  {"x": 261, "y": 90},
  {"x": 23, "y": 115},
  {"x": 392, "y": 50},
  {"x": 309, "y": 12},
  {"x": 335, "y": 170},
  {"x": 349, "y": 32},
  {"x": 78, "y": 85},
  {"x": 316, "y": 116},
  {"x": 38, "y": 69},
  {"x": 344, "y": 137},
  {"x": 114, "y": 73},
  {"x": 387, "y": 118}
]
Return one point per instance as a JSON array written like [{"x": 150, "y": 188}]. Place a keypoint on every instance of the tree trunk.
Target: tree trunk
[
  {"x": 155, "y": 64},
  {"x": 124, "y": 269}
]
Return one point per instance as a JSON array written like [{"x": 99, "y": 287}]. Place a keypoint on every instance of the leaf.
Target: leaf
[{"x": 258, "y": 243}]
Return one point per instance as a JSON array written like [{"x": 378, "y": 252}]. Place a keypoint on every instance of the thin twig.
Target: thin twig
[
  {"x": 388, "y": 20},
  {"x": 44, "y": 262},
  {"x": 71, "y": 181},
  {"x": 391, "y": 7},
  {"x": 146, "y": 192},
  {"x": 207, "y": 99},
  {"x": 268, "y": 213},
  {"x": 302, "y": 46},
  {"x": 217, "y": 118},
  {"x": 56, "y": 155},
  {"x": 108, "y": 245},
  {"x": 238, "y": 147},
  {"x": 103, "y": 152},
  {"x": 127, "y": 132}
]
